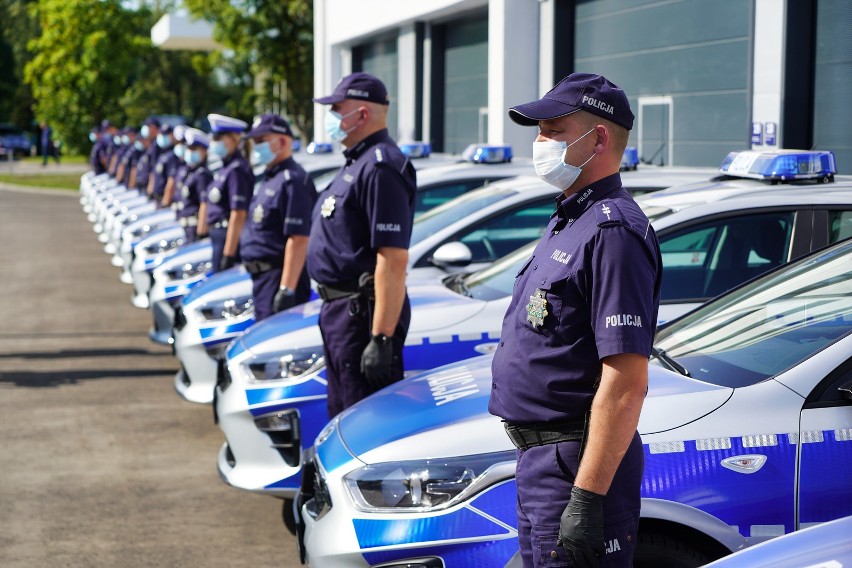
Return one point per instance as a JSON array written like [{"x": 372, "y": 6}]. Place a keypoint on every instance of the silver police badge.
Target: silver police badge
[
  {"x": 257, "y": 214},
  {"x": 214, "y": 196},
  {"x": 185, "y": 192},
  {"x": 537, "y": 309},
  {"x": 327, "y": 207},
  {"x": 159, "y": 168}
]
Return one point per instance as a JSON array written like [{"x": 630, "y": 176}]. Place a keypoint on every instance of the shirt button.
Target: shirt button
[
  {"x": 554, "y": 554},
  {"x": 535, "y": 267},
  {"x": 493, "y": 385},
  {"x": 501, "y": 344},
  {"x": 555, "y": 232},
  {"x": 543, "y": 282}
]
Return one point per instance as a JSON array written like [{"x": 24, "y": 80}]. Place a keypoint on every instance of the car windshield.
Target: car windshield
[
  {"x": 493, "y": 282},
  {"x": 444, "y": 215},
  {"x": 769, "y": 325}
]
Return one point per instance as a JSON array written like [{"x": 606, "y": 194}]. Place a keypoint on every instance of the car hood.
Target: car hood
[
  {"x": 446, "y": 413},
  {"x": 215, "y": 282},
  {"x": 433, "y": 307},
  {"x": 191, "y": 252}
]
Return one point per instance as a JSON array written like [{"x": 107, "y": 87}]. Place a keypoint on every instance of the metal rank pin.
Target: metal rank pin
[
  {"x": 537, "y": 309},
  {"x": 257, "y": 214},
  {"x": 327, "y": 207}
]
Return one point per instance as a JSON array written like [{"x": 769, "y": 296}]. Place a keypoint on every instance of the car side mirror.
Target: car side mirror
[
  {"x": 846, "y": 391},
  {"x": 452, "y": 255}
]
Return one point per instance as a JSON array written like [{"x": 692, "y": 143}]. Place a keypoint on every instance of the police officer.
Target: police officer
[
  {"x": 279, "y": 221},
  {"x": 108, "y": 146},
  {"x": 163, "y": 178},
  {"x": 180, "y": 168},
  {"x": 96, "y": 136},
  {"x": 358, "y": 248},
  {"x": 229, "y": 193},
  {"x": 141, "y": 173},
  {"x": 571, "y": 370},
  {"x": 194, "y": 184},
  {"x": 135, "y": 148}
]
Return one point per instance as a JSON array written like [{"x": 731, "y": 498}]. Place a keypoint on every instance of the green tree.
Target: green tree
[
  {"x": 16, "y": 30},
  {"x": 82, "y": 63},
  {"x": 273, "y": 41}
]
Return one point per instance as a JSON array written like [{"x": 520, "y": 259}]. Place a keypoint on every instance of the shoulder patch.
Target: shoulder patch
[
  {"x": 607, "y": 213},
  {"x": 287, "y": 175},
  {"x": 379, "y": 156}
]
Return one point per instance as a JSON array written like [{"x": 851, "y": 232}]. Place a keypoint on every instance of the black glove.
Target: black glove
[
  {"x": 376, "y": 361},
  {"x": 227, "y": 262},
  {"x": 284, "y": 299},
  {"x": 581, "y": 528}
]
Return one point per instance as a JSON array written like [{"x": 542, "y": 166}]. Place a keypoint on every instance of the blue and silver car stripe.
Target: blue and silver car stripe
[
  {"x": 747, "y": 482},
  {"x": 310, "y": 389},
  {"x": 824, "y": 482},
  {"x": 184, "y": 286},
  {"x": 219, "y": 333}
]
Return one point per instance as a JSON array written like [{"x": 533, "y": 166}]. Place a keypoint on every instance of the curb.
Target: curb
[{"x": 39, "y": 190}]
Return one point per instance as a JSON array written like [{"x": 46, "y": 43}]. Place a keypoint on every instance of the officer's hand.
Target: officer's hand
[
  {"x": 376, "y": 361},
  {"x": 581, "y": 528},
  {"x": 227, "y": 262},
  {"x": 284, "y": 299}
]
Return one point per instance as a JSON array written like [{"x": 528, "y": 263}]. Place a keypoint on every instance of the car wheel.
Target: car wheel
[
  {"x": 654, "y": 549},
  {"x": 288, "y": 516}
]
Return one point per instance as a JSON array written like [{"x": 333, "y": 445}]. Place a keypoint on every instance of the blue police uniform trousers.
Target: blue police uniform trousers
[
  {"x": 544, "y": 478},
  {"x": 191, "y": 234},
  {"x": 264, "y": 286},
  {"x": 346, "y": 324},
  {"x": 217, "y": 240}
]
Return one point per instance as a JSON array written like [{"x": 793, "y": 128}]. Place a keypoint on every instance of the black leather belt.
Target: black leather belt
[
  {"x": 255, "y": 267},
  {"x": 338, "y": 290},
  {"x": 525, "y": 436}
]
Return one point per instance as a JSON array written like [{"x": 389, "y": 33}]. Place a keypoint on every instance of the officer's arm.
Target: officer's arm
[
  {"x": 119, "y": 173},
  {"x": 295, "y": 252},
  {"x": 132, "y": 180},
  {"x": 151, "y": 183},
  {"x": 235, "y": 227},
  {"x": 169, "y": 191},
  {"x": 391, "y": 264},
  {"x": 201, "y": 229},
  {"x": 615, "y": 416}
]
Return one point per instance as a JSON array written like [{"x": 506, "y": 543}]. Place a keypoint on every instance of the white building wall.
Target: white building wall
[{"x": 768, "y": 79}]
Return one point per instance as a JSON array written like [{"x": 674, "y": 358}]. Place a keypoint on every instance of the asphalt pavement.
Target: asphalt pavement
[{"x": 103, "y": 465}]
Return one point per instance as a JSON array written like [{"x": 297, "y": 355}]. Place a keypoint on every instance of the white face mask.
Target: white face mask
[
  {"x": 550, "y": 166},
  {"x": 333, "y": 127}
]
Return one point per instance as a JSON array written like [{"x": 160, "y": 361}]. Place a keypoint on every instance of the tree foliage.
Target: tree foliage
[
  {"x": 273, "y": 41},
  {"x": 16, "y": 29},
  {"x": 82, "y": 62}
]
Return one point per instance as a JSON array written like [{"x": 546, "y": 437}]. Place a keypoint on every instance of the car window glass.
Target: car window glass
[
  {"x": 507, "y": 231},
  {"x": 498, "y": 279},
  {"x": 830, "y": 392},
  {"x": 839, "y": 226},
  {"x": 428, "y": 197},
  {"x": 457, "y": 209},
  {"x": 766, "y": 326},
  {"x": 708, "y": 259}
]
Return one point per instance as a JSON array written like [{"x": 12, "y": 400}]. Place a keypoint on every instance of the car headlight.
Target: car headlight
[
  {"x": 188, "y": 270},
  {"x": 288, "y": 365},
  {"x": 226, "y": 309},
  {"x": 164, "y": 245},
  {"x": 426, "y": 485}
]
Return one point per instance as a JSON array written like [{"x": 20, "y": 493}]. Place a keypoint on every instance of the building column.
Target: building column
[
  {"x": 406, "y": 49},
  {"x": 513, "y": 64},
  {"x": 767, "y": 74}
]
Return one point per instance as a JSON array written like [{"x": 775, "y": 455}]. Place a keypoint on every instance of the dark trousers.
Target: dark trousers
[
  {"x": 346, "y": 324},
  {"x": 191, "y": 234},
  {"x": 217, "y": 240},
  {"x": 544, "y": 477}
]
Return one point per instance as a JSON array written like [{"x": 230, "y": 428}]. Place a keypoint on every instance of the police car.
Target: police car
[
  {"x": 746, "y": 428},
  {"x": 148, "y": 254},
  {"x": 826, "y": 545}
]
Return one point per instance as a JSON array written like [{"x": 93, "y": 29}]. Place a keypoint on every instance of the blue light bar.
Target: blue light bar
[
  {"x": 630, "y": 158},
  {"x": 416, "y": 149},
  {"x": 487, "y": 154},
  {"x": 781, "y": 165},
  {"x": 320, "y": 148},
  {"x": 297, "y": 144}
]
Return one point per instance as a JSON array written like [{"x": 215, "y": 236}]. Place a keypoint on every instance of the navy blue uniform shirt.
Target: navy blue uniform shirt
[
  {"x": 167, "y": 165},
  {"x": 281, "y": 206},
  {"x": 591, "y": 289},
  {"x": 96, "y": 154},
  {"x": 231, "y": 188},
  {"x": 145, "y": 166},
  {"x": 129, "y": 160},
  {"x": 368, "y": 205},
  {"x": 189, "y": 193}
]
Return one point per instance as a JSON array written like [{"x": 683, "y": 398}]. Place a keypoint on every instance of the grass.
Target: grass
[
  {"x": 54, "y": 181},
  {"x": 77, "y": 159}
]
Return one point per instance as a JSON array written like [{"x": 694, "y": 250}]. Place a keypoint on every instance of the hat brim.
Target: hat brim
[
  {"x": 530, "y": 114},
  {"x": 329, "y": 100},
  {"x": 266, "y": 129}
]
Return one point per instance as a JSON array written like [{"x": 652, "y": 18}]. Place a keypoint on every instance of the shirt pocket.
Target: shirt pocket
[
  {"x": 541, "y": 303},
  {"x": 548, "y": 554}
]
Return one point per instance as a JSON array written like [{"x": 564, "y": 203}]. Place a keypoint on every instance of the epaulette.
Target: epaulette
[{"x": 608, "y": 214}]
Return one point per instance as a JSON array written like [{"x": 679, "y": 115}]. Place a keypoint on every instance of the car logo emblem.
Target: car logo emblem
[
  {"x": 327, "y": 207},
  {"x": 257, "y": 214},
  {"x": 215, "y": 195},
  {"x": 537, "y": 309}
]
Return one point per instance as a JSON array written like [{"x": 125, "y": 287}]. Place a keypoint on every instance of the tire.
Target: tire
[
  {"x": 288, "y": 516},
  {"x": 659, "y": 550}
]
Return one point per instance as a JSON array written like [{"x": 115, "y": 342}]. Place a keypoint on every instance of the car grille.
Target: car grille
[
  {"x": 180, "y": 318},
  {"x": 223, "y": 375},
  {"x": 314, "y": 491}
]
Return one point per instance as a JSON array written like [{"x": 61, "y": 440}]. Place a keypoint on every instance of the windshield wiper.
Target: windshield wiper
[{"x": 669, "y": 363}]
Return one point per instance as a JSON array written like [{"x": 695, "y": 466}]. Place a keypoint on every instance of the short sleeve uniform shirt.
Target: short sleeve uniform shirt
[
  {"x": 368, "y": 205},
  {"x": 591, "y": 289},
  {"x": 231, "y": 188}
]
